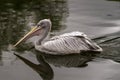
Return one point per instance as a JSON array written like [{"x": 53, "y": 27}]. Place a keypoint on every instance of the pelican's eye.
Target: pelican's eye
[
  {"x": 44, "y": 23},
  {"x": 41, "y": 25}
]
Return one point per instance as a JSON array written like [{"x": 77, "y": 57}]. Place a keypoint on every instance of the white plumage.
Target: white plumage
[{"x": 68, "y": 43}]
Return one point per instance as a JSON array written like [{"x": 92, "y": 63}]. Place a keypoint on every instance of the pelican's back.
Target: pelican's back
[{"x": 69, "y": 43}]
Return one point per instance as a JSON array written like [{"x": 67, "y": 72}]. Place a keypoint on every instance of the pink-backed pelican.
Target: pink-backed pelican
[{"x": 68, "y": 43}]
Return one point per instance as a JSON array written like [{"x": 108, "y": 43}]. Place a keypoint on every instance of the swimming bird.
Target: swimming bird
[{"x": 67, "y": 43}]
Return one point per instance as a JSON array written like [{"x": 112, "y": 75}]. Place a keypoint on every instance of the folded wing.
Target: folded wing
[{"x": 69, "y": 43}]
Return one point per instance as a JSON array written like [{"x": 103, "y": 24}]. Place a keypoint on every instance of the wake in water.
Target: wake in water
[{"x": 111, "y": 46}]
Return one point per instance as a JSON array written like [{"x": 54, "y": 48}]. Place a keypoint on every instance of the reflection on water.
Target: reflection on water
[
  {"x": 72, "y": 60},
  {"x": 43, "y": 69}
]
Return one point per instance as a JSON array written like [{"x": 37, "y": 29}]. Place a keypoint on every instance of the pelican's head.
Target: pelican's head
[{"x": 41, "y": 29}]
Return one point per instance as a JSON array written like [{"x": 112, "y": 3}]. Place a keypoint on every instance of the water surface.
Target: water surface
[{"x": 99, "y": 19}]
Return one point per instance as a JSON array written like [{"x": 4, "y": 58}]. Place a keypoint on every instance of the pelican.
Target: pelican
[{"x": 67, "y": 43}]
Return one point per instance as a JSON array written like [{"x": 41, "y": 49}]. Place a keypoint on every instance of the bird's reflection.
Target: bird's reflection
[
  {"x": 72, "y": 60},
  {"x": 43, "y": 69}
]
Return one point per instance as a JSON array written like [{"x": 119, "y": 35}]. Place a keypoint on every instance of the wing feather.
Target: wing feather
[{"x": 69, "y": 43}]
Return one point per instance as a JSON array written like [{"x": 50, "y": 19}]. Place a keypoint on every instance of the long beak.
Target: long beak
[{"x": 28, "y": 34}]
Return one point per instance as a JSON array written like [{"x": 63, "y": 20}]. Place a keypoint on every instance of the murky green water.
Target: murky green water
[{"x": 99, "y": 19}]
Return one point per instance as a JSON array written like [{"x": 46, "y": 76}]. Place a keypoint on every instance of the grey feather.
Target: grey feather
[{"x": 69, "y": 43}]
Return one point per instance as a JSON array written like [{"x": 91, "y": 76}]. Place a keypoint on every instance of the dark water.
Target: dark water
[{"x": 99, "y": 19}]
